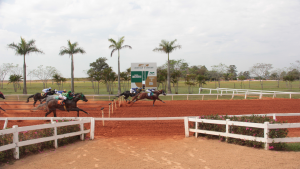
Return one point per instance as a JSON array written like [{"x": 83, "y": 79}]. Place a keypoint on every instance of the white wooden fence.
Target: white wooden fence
[
  {"x": 15, "y": 131},
  {"x": 266, "y": 126},
  {"x": 82, "y": 120}
]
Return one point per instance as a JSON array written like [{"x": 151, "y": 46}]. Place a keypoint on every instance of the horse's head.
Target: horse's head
[
  {"x": 1, "y": 95},
  {"x": 80, "y": 96},
  {"x": 162, "y": 92}
]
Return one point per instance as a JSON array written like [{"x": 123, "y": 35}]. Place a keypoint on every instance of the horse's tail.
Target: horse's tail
[
  {"x": 29, "y": 98},
  {"x": 40, "y": 107}
]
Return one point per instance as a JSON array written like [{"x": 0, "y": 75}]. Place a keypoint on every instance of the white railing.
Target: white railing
[
  {"x": 247, "y": 92},
  {"x": 81, "y": 120},
  {"x": 266, "y": 126},
  {"x": 15, "y": 131}
]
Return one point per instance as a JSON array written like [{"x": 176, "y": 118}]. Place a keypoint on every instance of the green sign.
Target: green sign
[{"x": 136, "y": 76}]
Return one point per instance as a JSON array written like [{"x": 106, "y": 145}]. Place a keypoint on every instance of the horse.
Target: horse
[
  {"x": 40, "y": 96},
  {"x": 145, "y": 96},
  {"x": 3, "y": 97},
  {"x": 71, "y": 105},
  {"x": 126, "y": 94}
]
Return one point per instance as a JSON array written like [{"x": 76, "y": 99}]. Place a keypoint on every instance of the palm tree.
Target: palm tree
[
  {"x": 117, "y": 46},
  {"x": 167, "y": 47},
  {"x": 71, "y": 50},
  {"x": 23, "y": 49}
]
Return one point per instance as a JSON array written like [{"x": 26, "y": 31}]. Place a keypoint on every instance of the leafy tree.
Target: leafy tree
[
  {"x": 232, "y": 71},
  {"x": 162, "y": 77},
  {"x": 219, "y": 71},
  {"x": 261, "y": 70},
  {"x": 4, "y": 70},
  {"x": 15, "y": 79},
  {"x": 175, "y": 79},
  {"x": 71, "y": 49},
  {"x": 117, "y": 46},
  {"x": 201, "y": 79},
  {"x": 59, "y": 80},
  {"x": 191, "y": 78},
  {"x": 109, "y": 78},
  {"x": 242, "y": 78},
  {"x": 23, "y": 48},
  {"x": 167, "y": 47},
  {"x": 97, "y": 69},
  {"x": 44, "y": 74}
]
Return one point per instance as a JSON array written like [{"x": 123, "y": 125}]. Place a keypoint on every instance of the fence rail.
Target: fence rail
[
  {"x": 15, "y": 131},
  {"x": 266, "y": 126},
  {"x": 195, "y": 119}
]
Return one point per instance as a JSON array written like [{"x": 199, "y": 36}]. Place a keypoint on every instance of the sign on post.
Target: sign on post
[{"x": 144, "y": 75}]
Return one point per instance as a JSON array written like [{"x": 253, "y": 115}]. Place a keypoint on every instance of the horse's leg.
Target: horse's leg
[
  {"x": 2, "y": 109},
  {"x": 34, "y": 103},
  {"x": 54, "y": 112},
  {"x": 153, "y": 102},
  {"x": 160, "y": 100},
  {"x": 48, "y": 113},
  {"x": 82, "y": 111}
]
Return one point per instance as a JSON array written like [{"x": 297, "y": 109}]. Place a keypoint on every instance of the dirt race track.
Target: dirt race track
[
  {"x": 145, "y": 109},
  {"x": 157, "y": 144}
]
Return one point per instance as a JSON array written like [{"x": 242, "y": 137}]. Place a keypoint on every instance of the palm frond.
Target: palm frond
[
  {"x": 113, "y": 52},
  {"x": 112, "y": 41},
  {"x": 112, "y": 46},
  {"x": 158, "y": 50},
  {"x": 126, "y": 46},
  {"x": 79, "y": 50}
]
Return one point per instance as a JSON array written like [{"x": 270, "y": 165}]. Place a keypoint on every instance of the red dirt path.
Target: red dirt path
[{"x": 169, "y": 109}]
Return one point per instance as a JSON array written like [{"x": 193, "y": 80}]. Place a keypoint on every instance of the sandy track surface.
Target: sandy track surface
[
  {"x": 158, "y": 144},
  {"x": 157, "y": 152}
]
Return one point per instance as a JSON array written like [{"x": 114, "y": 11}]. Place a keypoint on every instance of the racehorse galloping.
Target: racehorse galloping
[
  {"x": 39, "y": 97},
  {"x": 2, "y": 96},
  {"x": 145, "y": 96},
  {"x": 126, "y": 94},
  {"x": 71, "y": 105}
]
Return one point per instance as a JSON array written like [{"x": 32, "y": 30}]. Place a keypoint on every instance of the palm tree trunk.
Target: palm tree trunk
[
  {"x": 168, "y": 78},
  {"x": 24, "y": 77},
  {"x": 72, "y": 74},
  {"x": 119, "y": 86}
]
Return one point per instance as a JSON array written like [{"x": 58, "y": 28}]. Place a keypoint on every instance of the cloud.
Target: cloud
[{"x": 233, "y": 32}]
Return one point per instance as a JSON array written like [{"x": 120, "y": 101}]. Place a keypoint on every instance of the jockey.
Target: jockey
[
  {"x": 61, "y": 92},
  {"x": 46, "y": 90},
  {"x": 150, "y": 92},
  {"x": 65, "y": 96},
  {"x": 133, "y": 90}
]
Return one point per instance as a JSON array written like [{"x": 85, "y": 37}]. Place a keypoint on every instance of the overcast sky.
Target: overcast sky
[{"x": 210, "y": 32}]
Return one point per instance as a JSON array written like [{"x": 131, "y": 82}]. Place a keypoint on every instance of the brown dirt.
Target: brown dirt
[{"x": 162, "y": 137}]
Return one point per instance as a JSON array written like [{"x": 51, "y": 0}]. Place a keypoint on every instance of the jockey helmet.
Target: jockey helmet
[
  {"x": 65, "y": 91},
  {"x": 69, "y": 92}
]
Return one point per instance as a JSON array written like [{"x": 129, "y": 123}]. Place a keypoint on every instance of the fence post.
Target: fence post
[
  {"x": 221, "y": 92},
  {"x": 245, "y": 95},
  {"x": 186, "y": 126},
  {"x": 109, "y": 109},
  {"x": 81, "y": 129},
  {"x": 232, "y": 95},
  {"x": 5, "y": 123},
  {"x": 115, "y": 103},
  {"x": 51, "y": 119},
  {"x": 227, "y": 129},
  {"x": 274, "y": 116},
  {"x": 54, "y": 134},
  {"x": 266, "y": 132},
  {"x": 209, "y": 91},
  {"x": 92, "y": 132},
  {"x": 112, "y": 107},
  {"x": 102, "y": 115},
  {"x": 217, "y": 96},
  {"x": 196, "y": 127},
  {"x": 15, "y": 141},
  {"x": 290, "y": 95}
]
